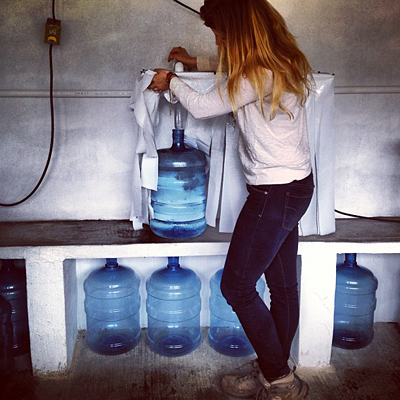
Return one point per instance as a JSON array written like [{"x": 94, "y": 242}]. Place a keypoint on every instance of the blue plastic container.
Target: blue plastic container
[
  {"x": 6, "y": 339},
  {"x": 179, "y": 203},
  {"x": 355, "y": 303},
  {"x": 13, "y": 289},
  {"x": 226, "y": 334},
  {"x": 112, "y": 306},
  {"x": 173, "y": 310}
]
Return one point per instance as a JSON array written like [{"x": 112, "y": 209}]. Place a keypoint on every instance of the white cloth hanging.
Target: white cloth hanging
[
  {"x": 218, "y": 139},
  {"x": 154, "y": 123},
  {"x": 320, "y": 216}
]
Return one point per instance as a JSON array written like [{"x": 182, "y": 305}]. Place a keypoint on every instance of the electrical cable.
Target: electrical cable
[
  {"x": 382, "y": 219},
  {"x": 52, "y": 116},
  {"x": 52, "y": 130},
  {"x": 51, "y": 142},
  {"x": 184, "y": 5}
]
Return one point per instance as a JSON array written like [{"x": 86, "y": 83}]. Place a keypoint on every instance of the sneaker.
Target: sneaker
[
  {"x": 291, "y": 387},
  {"x": 243, "y": 386}
]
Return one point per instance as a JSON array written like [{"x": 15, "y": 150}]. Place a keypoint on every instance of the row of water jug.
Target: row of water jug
[
  {"x": 112, "y": 306},
  {"x": 112, "y": 303},
  {"x": 173, "y": 306}
]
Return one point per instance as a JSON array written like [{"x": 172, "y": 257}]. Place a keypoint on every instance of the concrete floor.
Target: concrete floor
[{"x": 370, "y": 373}]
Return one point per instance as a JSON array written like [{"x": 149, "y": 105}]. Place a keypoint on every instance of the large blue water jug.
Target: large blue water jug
[
  {"x": 179, "y": 203},
  {"x": 355, "y": 303},
  {"x": 226, "y": 334},
  {"x": 13, "y": 289},
  {"x": 6, "y": 340},
  {"x": 112, "y": 306},
  {"x": 173, "y": 310}
]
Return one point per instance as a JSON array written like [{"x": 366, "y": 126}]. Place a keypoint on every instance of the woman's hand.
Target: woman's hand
[
  {"x": 159, "y": 82},
  {"x": 180, "y": 54}
]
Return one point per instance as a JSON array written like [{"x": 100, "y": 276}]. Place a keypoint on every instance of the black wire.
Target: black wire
[
  {"x": 52, "y": 137},
  {"x": 189, "y": 8},
  {"x": 371, "y": 218}
]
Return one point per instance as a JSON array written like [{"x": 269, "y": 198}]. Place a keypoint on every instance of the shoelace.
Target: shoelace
[
  {"x": 253, "y": 363},
  {"x": 271, "y": 392},
  {"x": 262, "y": 394},
  {"x": 251, "y": 376}
]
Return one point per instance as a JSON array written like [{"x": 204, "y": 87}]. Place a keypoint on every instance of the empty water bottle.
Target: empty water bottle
[
  {"x": 13, "y": 289},
  {"x": 355, "y": 303},
  {"x": 226, "y": 334},
  {"x": 6, "y": 340},
  {"x": 173, "y": 310},
  {"x": 112, "y": 306},
  {"x": 179, "y": 203}
]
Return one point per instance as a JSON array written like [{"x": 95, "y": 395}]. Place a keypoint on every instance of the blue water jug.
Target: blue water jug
[
  {"x": 112, "y": 306},
  {"x": 173, "y": 310},
  {"x": 6, "y": 340},
  {"x": 355, "y": 303},
  {"x": 179, "y": 203},
  {"x": 226, "y": 334},
  {"x": 13, "y": 289}
]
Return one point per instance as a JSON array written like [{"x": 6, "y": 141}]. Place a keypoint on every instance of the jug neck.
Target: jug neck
[
  {"x": 178, "y": 140},
  {"x": 350, "y": 259},
  {"x": 111, "y": 264},
  {"x": 173, "y": 263}
]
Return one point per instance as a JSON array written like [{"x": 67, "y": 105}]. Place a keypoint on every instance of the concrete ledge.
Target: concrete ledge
[{"x": 101, "y": 232}]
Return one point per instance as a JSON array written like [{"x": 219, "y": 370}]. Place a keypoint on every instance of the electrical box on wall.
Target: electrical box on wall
[{"x": 53, "y": 31}]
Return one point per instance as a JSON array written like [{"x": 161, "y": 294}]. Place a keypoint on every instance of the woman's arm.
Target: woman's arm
[
  {"x": 216, "y": 102},
  {"x": 207, "y": 64},
  {"x": 211, "y": 104},
  {"x": 181, "y": 55},
  {"x": 199, "y": 63}
]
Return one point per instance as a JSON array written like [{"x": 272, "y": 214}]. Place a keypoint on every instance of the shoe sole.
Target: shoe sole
[
  {"x": 231, "y": 397},
  {"x": 304, "y": 392}
]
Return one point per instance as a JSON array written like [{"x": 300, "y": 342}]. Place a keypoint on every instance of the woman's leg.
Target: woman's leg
[
  {"x": 281, "y": 278},
  {"x": 266, "y": 236}
]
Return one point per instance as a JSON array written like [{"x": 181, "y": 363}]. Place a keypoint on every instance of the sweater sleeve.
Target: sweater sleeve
[
  {"x": 216, "y": 102},
  {"x": 207, "y": 64}
]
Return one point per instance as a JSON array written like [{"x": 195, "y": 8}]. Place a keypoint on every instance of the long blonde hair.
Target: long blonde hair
[{"x": 256, "y": 38}]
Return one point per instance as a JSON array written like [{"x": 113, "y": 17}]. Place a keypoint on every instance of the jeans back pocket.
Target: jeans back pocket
[{"x": 296, "y": 204}]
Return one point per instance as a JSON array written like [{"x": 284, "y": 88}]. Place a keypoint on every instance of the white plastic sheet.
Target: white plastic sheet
[
  {"x": 320, "y": 216},
  {"x": 218, "y": 137}
]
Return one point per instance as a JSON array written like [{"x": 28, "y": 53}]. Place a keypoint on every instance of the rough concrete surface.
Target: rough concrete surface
[{"x": 366, "y": 374}]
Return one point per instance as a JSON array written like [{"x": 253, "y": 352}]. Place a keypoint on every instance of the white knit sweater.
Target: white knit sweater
[{"x": 271, "y": 152}]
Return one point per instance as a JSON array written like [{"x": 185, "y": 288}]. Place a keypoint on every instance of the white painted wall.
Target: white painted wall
[{"x": 104, "y": 47}]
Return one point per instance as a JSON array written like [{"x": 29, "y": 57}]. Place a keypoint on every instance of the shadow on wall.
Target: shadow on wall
[
  {"x": 396, "y": 311},
  {"x": 396, "y": 151},
  {"x": 393, "y": 151}
]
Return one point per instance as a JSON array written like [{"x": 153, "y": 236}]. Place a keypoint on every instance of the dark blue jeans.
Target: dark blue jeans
[{"x": 265, "y": 241}]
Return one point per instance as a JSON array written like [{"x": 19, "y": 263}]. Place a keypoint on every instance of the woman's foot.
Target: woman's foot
[
  {"x": 244, "y": 386},
  {"x": 291, "y": 387}
]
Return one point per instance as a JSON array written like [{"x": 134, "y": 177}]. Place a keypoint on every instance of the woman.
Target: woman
[{"x": 266, "y": 89}]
